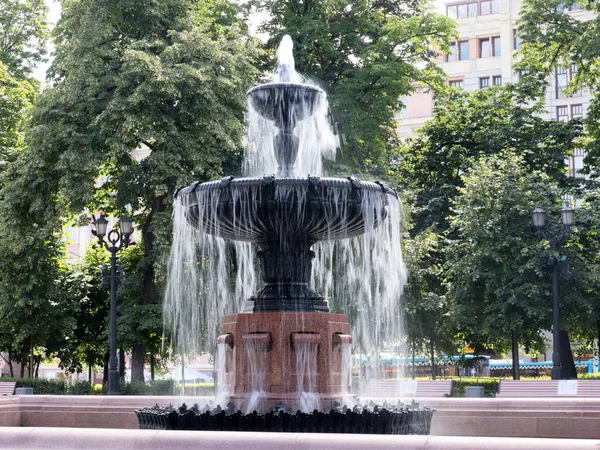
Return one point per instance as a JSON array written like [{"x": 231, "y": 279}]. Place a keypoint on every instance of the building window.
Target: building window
[
  {"x": 484, "y": 48},
  {"x": 576, "y": 111},
  {"x": 463, "y": 50},
  {"x": 73, "y": 235},
  {"x": 521, "y": 73},
  {"x": 497, "y": 80},
  {"x": 489, "y": 47},
  {"x": 484, "y": 82},
  {"x": 517, "y": 41},
  {"x": 574, "y": 7},
  {"x": 456, "y": 83},
  {"x": 471, "y": 9},
  {"x": 458, "y": 51},
  {"x": 450, "y": 57},
  {"x": 490, "y": 7},
  {"x": 496, "y": 46},
  {"x": 563, "y": 77},
  {"x": 462, "y": 10},
  {"x": 562, "y": 113}
]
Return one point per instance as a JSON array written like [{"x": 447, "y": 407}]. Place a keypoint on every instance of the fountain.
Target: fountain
[{"x": 286, "y": 349}]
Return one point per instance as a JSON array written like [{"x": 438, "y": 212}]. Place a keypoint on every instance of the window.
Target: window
[
  {"x": 456, "y": 83},
  {"x": 484, "y": 82},
  {"x": 576, "y": 111},
  {"x": 452, "y": 11},
  {"x": 563, "y": 76},
  {"x": 462, "y": 10},
  {"x": 490, "y": 7},
  {"x": 517, "y": 41},
  {"x": 497, "y": 80},
  {"x": 73, "y": 235},
  {"x": 450, "y": 57},
  {"x": 521, "y": 73},
  {"x": 490, "y": 47},
  {"x": 574, "y": 7},
  {"x": 463, "y": 50},
  {"x": 484, "y": 48},
  {"x": 458, "y": 51},
  {"x": 562, "y": 113},
  {"x": 496, "y": 47},
  {"x": 496, "y": 7}
]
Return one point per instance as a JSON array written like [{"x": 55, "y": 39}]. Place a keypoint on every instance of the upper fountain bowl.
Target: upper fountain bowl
[{"x": 285, "y": 103}]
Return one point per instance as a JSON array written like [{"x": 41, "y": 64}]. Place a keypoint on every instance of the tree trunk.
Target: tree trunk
[
  {"x": 138, "y": 354},
  {"x": 23, "y": 364},
  {"x": 152, "y": 366},
  {"x": 10, "y": 366},
  {"x": 515, "y": 356},
  {"x": 122, "y": 363},
  {"x": 432, "y": 352},
  {"x": 149, "y": 291},
  {"x": 105, "y": 371},
  {"x": 566, "y": 356},
  {"x": 90, "y": 373}
]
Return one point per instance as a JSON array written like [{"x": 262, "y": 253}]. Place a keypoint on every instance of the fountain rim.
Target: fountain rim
[
  {"x": 309, "y": 181},
  {"x": 284, "y": 84}
]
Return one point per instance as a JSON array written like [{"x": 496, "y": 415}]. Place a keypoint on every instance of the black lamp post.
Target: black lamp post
[
  {"x": 556, "y": 233},
  {"x": 116, "y": 241}
]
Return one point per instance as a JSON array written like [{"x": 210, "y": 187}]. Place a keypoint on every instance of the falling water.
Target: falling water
[
  {"x": 306, "y": 376},
  {"x": 257, "y": 356},
  {"x": 346, "y": 373},
  {"x": 317, "y": 137},
  {"x": 222, "y": 387}
]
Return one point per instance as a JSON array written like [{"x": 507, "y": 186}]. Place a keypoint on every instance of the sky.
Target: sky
[{"x": 54, "y": 14}]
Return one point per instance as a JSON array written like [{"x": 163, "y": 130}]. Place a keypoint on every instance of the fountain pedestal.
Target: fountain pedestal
[{"x": 262, "y": 355}]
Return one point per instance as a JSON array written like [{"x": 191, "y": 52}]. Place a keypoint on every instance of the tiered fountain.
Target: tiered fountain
[{"x": 287, "y": 348}]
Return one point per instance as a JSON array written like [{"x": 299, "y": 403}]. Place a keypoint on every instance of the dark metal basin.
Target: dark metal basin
[{"x": 267, "y": 209}]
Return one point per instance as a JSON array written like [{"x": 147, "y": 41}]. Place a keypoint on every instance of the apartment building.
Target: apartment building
[{"x": 484, "y": 56}]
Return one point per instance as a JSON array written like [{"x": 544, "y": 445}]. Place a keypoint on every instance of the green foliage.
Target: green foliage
[
  {"x": 368, "y": 55},
  {"x": 495, "y": 263},
  {"x": 23, "y": 33}
]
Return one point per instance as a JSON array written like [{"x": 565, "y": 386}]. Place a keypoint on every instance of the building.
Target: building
[{"x": 484, "y": 56}]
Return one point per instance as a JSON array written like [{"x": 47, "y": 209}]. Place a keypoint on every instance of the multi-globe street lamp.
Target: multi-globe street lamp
[
  {"x": 117, "y": 239},
  {"x": 556, "y": 233}
]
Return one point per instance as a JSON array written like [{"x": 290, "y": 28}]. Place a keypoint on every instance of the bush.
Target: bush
[
  {"x": 41, "y": 386},
  {"x": 490, "y": 386},
  {"x": 80, "y": 388}
]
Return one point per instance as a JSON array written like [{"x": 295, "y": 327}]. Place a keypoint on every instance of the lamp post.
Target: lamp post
[
  {"x": 556, "y": 233},
  {"x": 117, "y": 239}
]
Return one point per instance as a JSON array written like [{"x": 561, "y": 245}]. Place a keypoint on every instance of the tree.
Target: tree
[
  {"x": 554, "y": 38},
  {"x": 23, "y": 33},
  {"x": 495, "y": 263},
  {"x": 468, "y": 126},
  {"x": 169, "y": 75},
  {"x": 426, "y": 311},
  {"x": 367, "y": 55}
]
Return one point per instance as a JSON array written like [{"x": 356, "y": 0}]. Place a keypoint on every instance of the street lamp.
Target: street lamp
[
  {"x": 117, "y": 239},
  {"x": 556, "y": 233}
]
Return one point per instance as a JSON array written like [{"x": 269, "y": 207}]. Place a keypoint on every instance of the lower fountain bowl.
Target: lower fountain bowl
[{"x": 310, "y": 209}]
